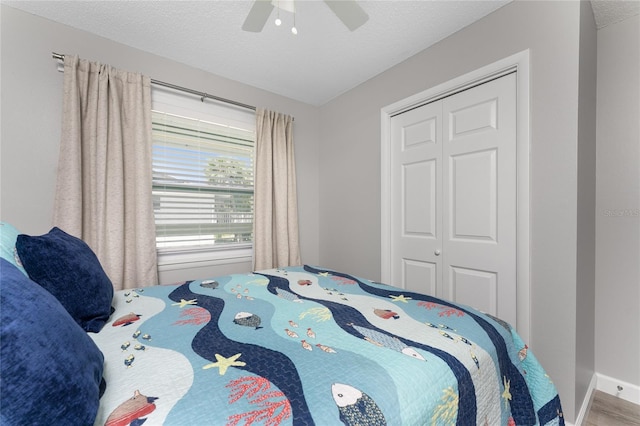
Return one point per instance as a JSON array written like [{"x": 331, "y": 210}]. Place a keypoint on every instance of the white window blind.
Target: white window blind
[{"x": 202, "y": 174}]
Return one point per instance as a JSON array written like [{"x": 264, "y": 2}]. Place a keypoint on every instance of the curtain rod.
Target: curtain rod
[{"x": 202, "y": 95}]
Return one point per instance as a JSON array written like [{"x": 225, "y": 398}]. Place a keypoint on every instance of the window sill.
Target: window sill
[
  {"x": 180, "y": 267},
  {"x": 199, "y": 258}
]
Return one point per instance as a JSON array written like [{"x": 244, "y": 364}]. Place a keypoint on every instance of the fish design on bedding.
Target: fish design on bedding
[
  {"x": 306, "y": 345},
  {"x": 291, "y": 334},
  {"x": 125, "y": 320},
  {"x": 287, "y": 295},
  {"x": 356, "y": 407},
  {"x": 247, "y": 319},
  {"x": 382, "y": 340},
  {"x": 212, "y": 284},
  {"x": 386, "y": 313},
  {"x": 128, "y": 361},
  {"x": 326, "y": 348},
  {"x": 132, "y": 410},
  {"x": 522, "y": 353}
]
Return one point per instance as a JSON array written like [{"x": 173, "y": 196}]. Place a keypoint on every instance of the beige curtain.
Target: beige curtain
[
  {"x": 276, "y": 207},
  {"x": 103, "y": 191}
]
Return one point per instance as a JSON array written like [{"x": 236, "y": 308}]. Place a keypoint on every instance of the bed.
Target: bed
[{"x": 303, "y": 345}]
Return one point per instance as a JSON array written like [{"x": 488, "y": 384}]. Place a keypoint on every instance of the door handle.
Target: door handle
[{"x": 437, "y": 252}]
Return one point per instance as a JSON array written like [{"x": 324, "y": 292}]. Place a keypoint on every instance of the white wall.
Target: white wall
[
  {"x": 618, "y": 203},
  {"x": 31, "y": 114},
  {"x": 350, "y": 145}
]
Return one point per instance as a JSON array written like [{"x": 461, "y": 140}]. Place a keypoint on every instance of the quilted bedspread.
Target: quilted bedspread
[{"x": 306, "y": 346}]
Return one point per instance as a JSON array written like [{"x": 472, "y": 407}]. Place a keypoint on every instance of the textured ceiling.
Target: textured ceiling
[
  {"x": 324, "y": 60},
  {"x": 609, "y": 12}
]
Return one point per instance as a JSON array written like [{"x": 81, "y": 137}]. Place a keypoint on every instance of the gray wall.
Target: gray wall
[
  {"x": 31, "y": 114},
  {"x": 350, "y": 144},
  {"x": 585, "y": 279},
  {"x": 618, "y": 202}
]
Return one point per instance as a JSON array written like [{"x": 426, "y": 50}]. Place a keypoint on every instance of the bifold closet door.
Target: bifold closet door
[
  {"x": 416, "y": 194},
  {"x": 454, "y": 198}
]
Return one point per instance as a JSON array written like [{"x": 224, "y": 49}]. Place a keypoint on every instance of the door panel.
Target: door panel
[
  {"x": 421, "y": 132},
  {"x": 419, "y": 199},
  {"x": 474, "y": 288},
  {"x": 473, "y": 194},
  {"x": 420, "y": 274},
  {"x": 473, "y": 118}
]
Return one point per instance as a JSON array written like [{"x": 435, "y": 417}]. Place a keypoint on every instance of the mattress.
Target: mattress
[{"x": 305, "y": 345}]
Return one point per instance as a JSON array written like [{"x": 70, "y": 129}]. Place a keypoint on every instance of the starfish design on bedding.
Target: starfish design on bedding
[
  {"x": 506, "y": 395},
  {"x": 223, "y": 363},
  {"x": 400, "y": 298},
  {"x": 184, "y": 303}
]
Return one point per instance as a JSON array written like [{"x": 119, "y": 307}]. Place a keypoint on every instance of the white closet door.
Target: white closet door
[
  {"x": 417, "y": 198},
  {"x": 453, "y": 166}
]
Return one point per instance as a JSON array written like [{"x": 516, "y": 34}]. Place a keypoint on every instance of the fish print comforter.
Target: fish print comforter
[{"x": 306, "y": 345}]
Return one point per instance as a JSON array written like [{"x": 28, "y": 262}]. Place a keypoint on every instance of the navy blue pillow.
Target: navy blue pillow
[
  {"x": 51, "y": 370},
  {"x": 67, "y": 267}
]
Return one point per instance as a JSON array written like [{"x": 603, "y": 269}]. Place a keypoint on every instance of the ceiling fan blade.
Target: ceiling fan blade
[
  {"x": 349, "y": 12},
  {"x": 258, "y": 16}
]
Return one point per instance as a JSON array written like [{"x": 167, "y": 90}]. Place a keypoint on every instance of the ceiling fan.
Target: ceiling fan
[{"x": 348, "y": 11}]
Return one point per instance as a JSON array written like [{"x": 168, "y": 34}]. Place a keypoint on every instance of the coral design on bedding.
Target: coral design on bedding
[{"x": 304, "y": 345}]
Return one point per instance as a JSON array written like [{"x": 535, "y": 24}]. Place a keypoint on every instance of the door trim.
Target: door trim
[{"x": 519, "y": 63}]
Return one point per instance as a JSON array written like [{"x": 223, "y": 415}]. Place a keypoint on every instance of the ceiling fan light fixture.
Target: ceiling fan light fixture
[
  {"x": 294, "y": 30},
  {"x": 348, "y": 11},
  {"x": 286, "y": 5},
  {"x": 278, "y": 20}
]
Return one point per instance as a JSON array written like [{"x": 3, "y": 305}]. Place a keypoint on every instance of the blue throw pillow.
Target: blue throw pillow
[
  {"x": 67, "y": 267},
  {"x": 8, "y": 237},
  {"x": 50, "y": 369}
]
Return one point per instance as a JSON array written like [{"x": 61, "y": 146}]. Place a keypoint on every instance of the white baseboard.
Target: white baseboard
[
  {"x": 609, "y": 385},
  {"x": 627, "y": 391},
  {"x": 586, "y": 403}
]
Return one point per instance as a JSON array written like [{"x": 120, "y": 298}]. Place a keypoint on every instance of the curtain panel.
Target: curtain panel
[
  {"x": 275, "y": 238},
  {"x": 104, "y": 181}
]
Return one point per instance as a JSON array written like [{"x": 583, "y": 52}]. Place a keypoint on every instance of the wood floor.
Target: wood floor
[{"x": 607, "y": 410}]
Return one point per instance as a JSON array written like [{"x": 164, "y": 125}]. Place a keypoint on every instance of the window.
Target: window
[{"x": 202, "y": 174}]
